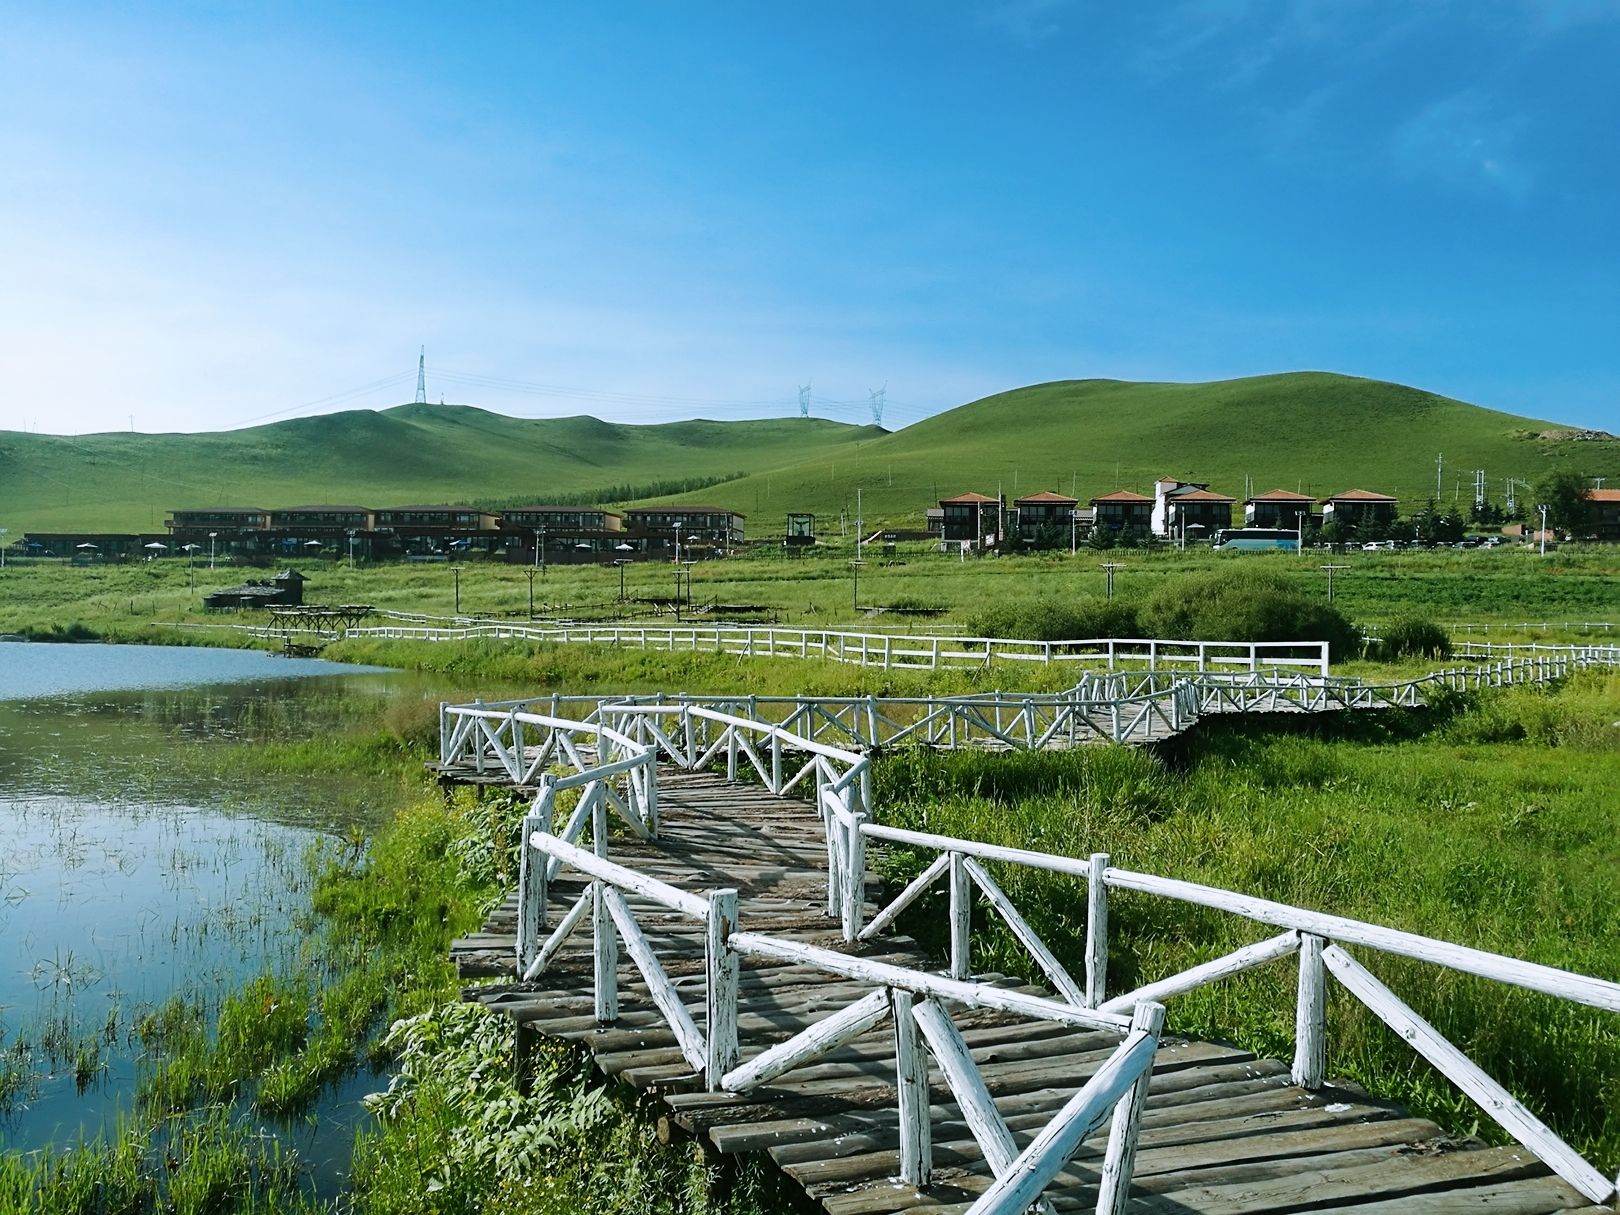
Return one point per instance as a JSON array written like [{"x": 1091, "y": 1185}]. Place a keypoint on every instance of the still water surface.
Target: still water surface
[{"x": 135, "y": 863}]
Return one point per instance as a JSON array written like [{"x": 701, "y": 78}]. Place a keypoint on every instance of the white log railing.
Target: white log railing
[
  {"x": 890, "y": 651},
  {"x": 1318, "y": 939},
  {"x": 915, "y": 1004}
]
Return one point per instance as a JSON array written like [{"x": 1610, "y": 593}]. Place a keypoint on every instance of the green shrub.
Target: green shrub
[
  {"x": 1244, "y": 605},
  {"x": 1082, "y": 617},
  {"x": 1414, "y": 637}
]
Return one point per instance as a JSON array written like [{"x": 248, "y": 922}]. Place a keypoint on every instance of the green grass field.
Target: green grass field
[
  {"x": 1497, "y": 587},
  {"x": 1319, "y": 432}
]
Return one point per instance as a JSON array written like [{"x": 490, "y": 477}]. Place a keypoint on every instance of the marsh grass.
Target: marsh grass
[{"x": 1508, "y": 845}]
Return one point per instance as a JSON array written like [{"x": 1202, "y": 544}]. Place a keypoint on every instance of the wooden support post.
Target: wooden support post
[
  {"x": 1114, "y": 1189},
  {"x": 1097, "y": 931},
  {"x": 961, "y": 917},
  {"x": 911, "y": 1088},
  {"x": 532, "y": 867},
  {"x": 721, "y": 996},
  {"x": 1310, "y": 1016},
  {"x": 604, "y": 955},
  {"x": 854, "y": 878}
]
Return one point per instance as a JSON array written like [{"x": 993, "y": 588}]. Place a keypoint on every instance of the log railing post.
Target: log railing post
[
  {"x": 1097, "y": 931},
  {"x": 961, "y": 916},
  {"x": 854, "y": 880},
  {"x": 445, "y": 731},
  {"x": 721, "y": 996},
  {"x": 532, "y": 866},
  {"x": 1114, "y": 1189},
  {"x": 911, "y": 1092},
  {"x": 1310, "y": 1016},
  {"x": 604, "y": 955}
]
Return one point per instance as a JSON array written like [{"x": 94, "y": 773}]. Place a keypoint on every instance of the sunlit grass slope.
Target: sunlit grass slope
[
  {"x": 1308, "y": 431},
  {"x": 412, "y": 454}
]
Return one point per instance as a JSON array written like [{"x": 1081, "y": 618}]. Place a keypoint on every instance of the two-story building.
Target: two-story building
[
  {"x": 973, "y": 517},
  {"x": 1122, "y": 509},
  {"x": 1359, "y": 506},
  {"x": 230, "y": 530},
  {"x": 1046, "y": 511},
  {"x": 434, "y": 529},
  {"x": 704, "y": 531},
  {"x": 1605, "y": 516},
  {"x": 566, "y": 533},
  {"x": 1181, "y": 508},
  {"x": 1280, "y": 508}
]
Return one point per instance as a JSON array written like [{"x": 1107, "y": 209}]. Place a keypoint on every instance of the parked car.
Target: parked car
[{"x": 1378, "y": 546}]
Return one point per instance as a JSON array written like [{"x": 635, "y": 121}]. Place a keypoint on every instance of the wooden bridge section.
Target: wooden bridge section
[
  {"x": 1222, "y": 1131},
  {"x": 777, "y": 1012}
]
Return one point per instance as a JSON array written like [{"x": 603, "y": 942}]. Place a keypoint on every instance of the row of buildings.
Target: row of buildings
[
  {"x": 529, "y": 534},
  {"x": 1176, "y": 509}
]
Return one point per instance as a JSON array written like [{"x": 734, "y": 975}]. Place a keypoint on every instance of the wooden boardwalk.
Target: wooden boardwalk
[{"x": 1222, "y": 1131}]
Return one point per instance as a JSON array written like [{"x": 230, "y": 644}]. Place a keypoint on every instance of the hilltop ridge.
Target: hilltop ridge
[{"x": 1318, "y": 432}]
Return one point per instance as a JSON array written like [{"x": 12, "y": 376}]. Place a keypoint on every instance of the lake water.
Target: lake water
[{"x": 134, "y": 863}]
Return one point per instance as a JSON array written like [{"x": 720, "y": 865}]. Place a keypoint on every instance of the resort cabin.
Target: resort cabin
[
  {"x": 1122, "y": 509},
  {"x": 229, "y": 529},
  {"x": 702, "y": 531},
  {"x": 1605, "y": 513},
  {"x": 566, "y": 535},
  {"x": 1046, "y": 511},
  {"x": 433, "y": 529},
  {"x": 322, "y": 522},
  {"x": 973, "y": 517},
  {"x": 1183, "y": 507},
  {"x": 1279, "y": 508},
  {"x": 1357, "y": 506}
]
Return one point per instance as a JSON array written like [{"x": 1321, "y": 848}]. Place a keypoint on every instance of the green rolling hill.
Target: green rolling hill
[
  {"x": 1308, "y": 431},
  {"x": 1314, "y": 431},
  {"x": 410, "y": 454}
]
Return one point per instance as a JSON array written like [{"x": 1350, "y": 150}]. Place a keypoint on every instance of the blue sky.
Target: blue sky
[{"x": 212, "y": 216}]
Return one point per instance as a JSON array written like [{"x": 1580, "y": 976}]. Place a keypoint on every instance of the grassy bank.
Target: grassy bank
[{"x": 1493, "y": 827}]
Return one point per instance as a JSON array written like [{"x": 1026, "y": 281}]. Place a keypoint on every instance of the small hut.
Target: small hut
[{"x": 286, "y": 589}]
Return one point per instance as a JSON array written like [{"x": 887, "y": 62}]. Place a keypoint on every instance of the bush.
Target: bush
[
  {"x": 1414, "y": 637},
  {"x": 1081, "y": 618},
  {"x": 1244, "y": 605}
]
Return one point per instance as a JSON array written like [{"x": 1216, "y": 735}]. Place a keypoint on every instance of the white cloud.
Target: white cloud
[{"x": 1466, "y": 141}]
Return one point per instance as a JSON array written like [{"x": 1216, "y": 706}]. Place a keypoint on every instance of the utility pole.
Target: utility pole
[
  {"x": 1439, "y": 468},
  {"x": 1479, "y": 489}
]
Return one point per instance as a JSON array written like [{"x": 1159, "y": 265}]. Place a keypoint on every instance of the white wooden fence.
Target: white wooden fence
[{"x": 887, "y": 650}]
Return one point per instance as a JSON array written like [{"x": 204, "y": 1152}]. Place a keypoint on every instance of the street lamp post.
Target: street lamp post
[
  {"x": 1543, "y": 509},
  {"x": 538, "y": 533},
  {"x": 211, "y": 536},
  {"x": 1299, "y": 523},
  {"x": 679, "y": 574},
  {"x": 1108, "y": 568},
  {"x": 1074, "y": 529},
  {"x": 677, "y": 542},
  {"x": 531, "y": 571},
  {"x": 855, "y": 568},
  {"x": 351, "y": 548},
  {"x": 455, "y": 573},
  {"x": 1330, "y": 569},
  {"x": 621, "y": 563},
  {"x": 3, "y": 547}
]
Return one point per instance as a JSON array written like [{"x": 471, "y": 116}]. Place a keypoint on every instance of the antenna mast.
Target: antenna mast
[{"x": 421, "y": 377}]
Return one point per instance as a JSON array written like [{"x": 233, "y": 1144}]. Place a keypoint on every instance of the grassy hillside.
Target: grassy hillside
[
  {"x": 1309, "y": 431},
  {"x": 1313, "y": 431},
  {"x": 414, "y": 453}
]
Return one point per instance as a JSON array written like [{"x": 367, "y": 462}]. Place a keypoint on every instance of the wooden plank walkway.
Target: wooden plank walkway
[{"x": 1223, "y": 1131}]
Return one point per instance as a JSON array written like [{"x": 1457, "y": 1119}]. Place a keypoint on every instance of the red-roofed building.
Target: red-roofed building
[
  {"x": 1045, "y": 511},
  {"x": 1279, "y": 508},
  {"x": 1122, "y": 509},
  {"x": 1356, "y": 506},
  {"x": 1180, "y": 507},
  {"x": 970, "y": 516},
  {"x": 1605, "y": 522}
]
